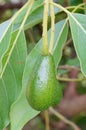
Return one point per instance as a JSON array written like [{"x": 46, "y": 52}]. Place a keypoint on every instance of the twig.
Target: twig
[
  {"x": 45, "y": 22},
  {"x": 82, "y": 4},
  {"x": 46, "y": 114},
  {"x": 65, "y": 9},
  {"x": 61, "y": 117},
  {"x": 68, "y": 79},
  {"x": 69, "y": 67},
  {"x": 52, "y": 27}
]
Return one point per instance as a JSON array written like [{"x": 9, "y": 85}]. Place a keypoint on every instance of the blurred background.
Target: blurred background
[{"x": 73, "y": 104}]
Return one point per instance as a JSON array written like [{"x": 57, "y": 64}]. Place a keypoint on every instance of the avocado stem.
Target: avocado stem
[
  {"x": 46, "y": 114},
  {"x": 52, "y": 27},
  {"x": 45, "y": 26}
]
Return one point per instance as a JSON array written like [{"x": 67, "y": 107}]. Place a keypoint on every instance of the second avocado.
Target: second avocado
[{"x": 43, "y": 89}]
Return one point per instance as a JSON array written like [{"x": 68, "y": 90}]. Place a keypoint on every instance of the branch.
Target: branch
[
  {"x": 65, "y": 120},
  {"x": 47, "y": 121},
  {"x": 68, "y": 67}
]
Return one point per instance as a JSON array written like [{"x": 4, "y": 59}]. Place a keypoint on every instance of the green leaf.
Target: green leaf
[
  {"x": 21, "y": 112},
  {"x": 5, "y": 36},
  {"x": 11, "y": 81},
  {"x": 81, "y": 121},
  {"x": 79, "y": 37},
  {"x": 60, "y": 38},
  {"x": 73, "y": 62},
  {"x": 75, "y": 2},
  {"x": 21, "y": 108},
  {"x": 34, "y": 17},
  {"x": 81, "y": 18}
]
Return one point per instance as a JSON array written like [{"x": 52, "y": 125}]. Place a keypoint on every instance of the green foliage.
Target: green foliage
[
  {"x": 21, "y": 104},
  {"x": 16, "y": 66},
  {"x": 75, "y": 2},
  {"x": 5, "y": 37},
  {"x": 34, "y": 18},
  {"x": 79, "y": 37},
  {"x": 11, "y": 80}
]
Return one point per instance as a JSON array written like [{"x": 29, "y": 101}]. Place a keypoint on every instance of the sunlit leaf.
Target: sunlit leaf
[
  {"x": 11, "y": 81},
  {"x": 78, "y": 31},
  {"x": 5, "y": 36},
  {"x": 60, "y": 39}
]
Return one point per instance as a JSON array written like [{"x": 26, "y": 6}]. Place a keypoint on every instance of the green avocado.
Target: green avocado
[{"x": 43, "y": 90}]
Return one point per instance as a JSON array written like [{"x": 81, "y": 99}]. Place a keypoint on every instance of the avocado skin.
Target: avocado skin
[{"x": 43, "y": 89}]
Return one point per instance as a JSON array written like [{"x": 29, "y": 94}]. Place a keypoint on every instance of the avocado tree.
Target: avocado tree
[{"x": 42, "y": 61}]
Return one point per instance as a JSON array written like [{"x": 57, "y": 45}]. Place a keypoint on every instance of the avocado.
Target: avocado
[{"x": 43, "y": 89}]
